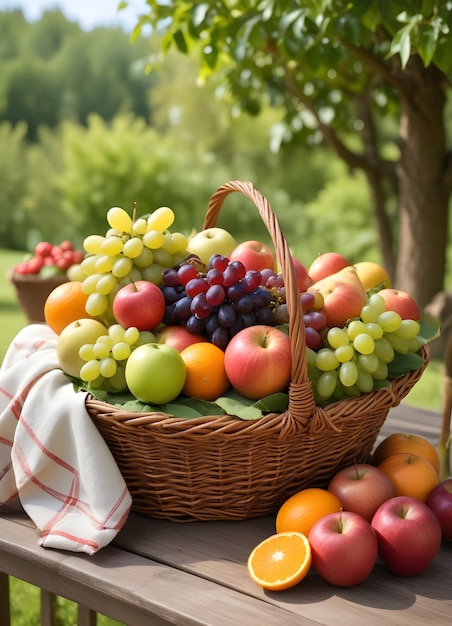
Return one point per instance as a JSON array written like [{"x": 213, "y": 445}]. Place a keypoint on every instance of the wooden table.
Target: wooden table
[{"x": 158, "y": 572}]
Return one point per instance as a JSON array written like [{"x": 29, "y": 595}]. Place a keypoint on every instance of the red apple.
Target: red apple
[
  {"x": 258, "y": 361},
  {"x": 254, "y": 255},
  {"x": 343, "y": 296},
  {"x": 344, "y": 548},
  {"x": 178, "y": 337},
  {"x": 326, "y": 264},
  {"x": 440, "y": 502},
  {"x": 140, "y": 304},
  {"x": 402, "y": 303},
  {"x": 362, "y": 488},
  {"x": 303, "y": 279},
  {"x": 408, "y": 533}
]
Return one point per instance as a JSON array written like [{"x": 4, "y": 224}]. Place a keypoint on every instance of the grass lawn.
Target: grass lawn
[{"x": 25, "y": 598}]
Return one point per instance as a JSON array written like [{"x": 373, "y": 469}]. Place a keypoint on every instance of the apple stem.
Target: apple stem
[
  {"x": 341, "y": 524},
  {"x": 134, "y": 212}
]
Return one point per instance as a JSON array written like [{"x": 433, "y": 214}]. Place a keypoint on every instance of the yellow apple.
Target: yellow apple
[
  {"x": 72, "y": 338},
  {"x": 372, "y": 275}
]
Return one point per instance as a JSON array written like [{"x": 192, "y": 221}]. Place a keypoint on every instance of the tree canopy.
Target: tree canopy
[{"x": 370, "y": 78}]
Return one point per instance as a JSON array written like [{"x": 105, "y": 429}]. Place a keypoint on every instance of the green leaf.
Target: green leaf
[
  {"x": 403, "y": 363},
  {"x": 429, "y": 329},
  {"x": 180, "y": 41}
]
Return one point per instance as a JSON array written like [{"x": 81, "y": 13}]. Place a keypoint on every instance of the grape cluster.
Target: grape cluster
[
  {"x": 216, "y": 301},
  {"x": 131, "y": 250},
  {"x": 105, "y": 360},
  {"x": 356, "y": 356}
]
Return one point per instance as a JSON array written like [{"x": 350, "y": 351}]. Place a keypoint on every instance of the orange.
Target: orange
[
  {"x": 65, "y": 304},
  {"x": 406, "y": 442},
  {"x": 206, "y": 377},
  {"x": 372, "y": 275},
  {"x": 280, "y": 561},
  {"x": 411, "y": 475},
  {"x": 302, "y": 510}
]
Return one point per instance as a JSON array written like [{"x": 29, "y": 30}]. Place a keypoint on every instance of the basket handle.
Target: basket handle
[{"x": 301, "y": 396}]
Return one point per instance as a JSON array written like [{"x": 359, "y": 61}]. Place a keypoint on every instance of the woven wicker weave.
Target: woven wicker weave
[
  {"x": 221, "y": 467},
  {"x": 32, "y": 291}
]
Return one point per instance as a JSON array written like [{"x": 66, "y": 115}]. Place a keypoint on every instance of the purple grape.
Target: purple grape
[
  {"x": 231, "y": 275},
  {"x": 220, "y": 337},
  {"x": 214, "y": 277},
  {"x": 261, "y": 297},
  {"x": 249, "y": 319},
  {"x": 313, "y": 338},
  {"x": 234, "y": 292},
  {"x": 200, "y": 307},
  {"x": 265, "y": 316},
  {"x": 266, "y": 273},
  {"x": 315, "y": 319},
  {"x": 226, "y": 315},
  {"x": 245, "y": 304},
  {"x": 252, "y": 280},
  {"x": 275, "y": 282},
  {"x": 239, "y": 267},
  {"x": 239, "y": 325},
  {"x": 186, "y": 273},
  {"x": 307, "y": 300},
  {"x": 182, "y": 308},
  {"x": 194, "y": 325},
  {"x": 215, "y": 295},
  {"x": 170, "y": 277},
  {"x": 172, "y": 294},
  {"x": 211, "y": 323},
  {"x": 281, "y": 314},
  {"x": 196, "y": 286},
  {"x": 218, "y": 262},
  {"x": 170, "y": 318}
]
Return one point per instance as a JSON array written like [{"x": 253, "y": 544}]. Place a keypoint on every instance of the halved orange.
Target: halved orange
[{"x": 280, "y": 561}]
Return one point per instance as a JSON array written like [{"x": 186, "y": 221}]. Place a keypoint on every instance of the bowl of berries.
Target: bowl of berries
[{"x": 39, "y": 273}]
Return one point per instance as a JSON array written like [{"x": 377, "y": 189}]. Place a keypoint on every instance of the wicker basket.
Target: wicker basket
[
  {"x": 212, "y": 467},
  {"x": 32, "y": 291}
]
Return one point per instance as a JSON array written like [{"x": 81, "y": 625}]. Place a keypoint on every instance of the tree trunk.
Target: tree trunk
[{"x": 423, "y": 187}]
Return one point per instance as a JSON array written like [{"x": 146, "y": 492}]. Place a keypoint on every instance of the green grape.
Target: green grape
[
  {"x": 121, "y": 351},
  {"x": 93, "y": 244},
  {"x": 145, "y": 258},
  {"x": 337, "y": 337},
  {"x": 326, "y": 360},
  {"x": 374, "y": 330},
  {"x": 117, "y": 382},
  {"x": 381, "y": 373},
  {"x": 383, "y": 350},
  {"x": 355, "y": 327},
  {"x": 344, "y": 353},
  {"x": 101, "y": 350},
  {"x": 365, "y": 381},
  {"x": 363, "y": 343},
  {"x": 112, "y": 246},
  {"x": 368, "y": 362},
  {"x": 377, "y": 302},
  {"x": 89, "y": 284},
  {"x": 86, "y": 352},
  {"x": 106, "y": 284},
  {"x": 389, "y": 321},
  {"x": 180, "y": 241},
  {"x": 116, "y": 333},
  {"x": 400, "y": 345},
  {"x": 90, "y": 371},
  {"x": 310, "y": 357},
  {"x": 153, "y": 273},
  {"x": 368, "y": 314},
  {"x": 119, "y": 219},
  {"x": 122, "y": 267},
  {"x": 348, "y": 373},
  {"x": 96, "y": 304},
  {"x": 144, "y": 336},
  {"x": 135, "y": 275},
  {"x": 326, "y": 384},
  {"x": 154, "y": 239},
  {"x": 160, "y": 219},
  {"x": 139, "y": 226},
  {"x": 107, "y": 367},
  {"x": 408, "y": 329},
  {"x": 88, "y": 264},
  {"x": 132, "y": 335},
  {"x": 163, "y": 257},
  {"x": 415, "y": 343},
  {"x": 112, "y": 232},
  {"x": 105, "y": 263},
  {"x": 133, "y": 247}
]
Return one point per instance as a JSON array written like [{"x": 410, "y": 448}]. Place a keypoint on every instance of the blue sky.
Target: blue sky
[{"x": 89, "y": 13}]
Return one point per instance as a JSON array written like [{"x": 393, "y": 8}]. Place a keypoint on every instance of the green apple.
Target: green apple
[
  {"x": 211, "y": 241},
  {"x": 155, "y": 373},
  {"x": 72, "y": 338}
]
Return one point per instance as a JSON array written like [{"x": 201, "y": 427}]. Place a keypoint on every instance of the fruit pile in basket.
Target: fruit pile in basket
[
  {"x": 49, "y": 260},
  {"x": 395, "y": 508},
  {"x": 155, "y": 317}
]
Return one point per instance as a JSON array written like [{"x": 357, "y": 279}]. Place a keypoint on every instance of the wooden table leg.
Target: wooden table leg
[
  {"x": 48, "y": 608},
  {"x": 5, "y": 617},
  {"x": 86, "y": 617}
]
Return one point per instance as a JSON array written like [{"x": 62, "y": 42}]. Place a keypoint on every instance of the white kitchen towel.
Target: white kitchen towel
[{"x": 52, "y": 457}]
